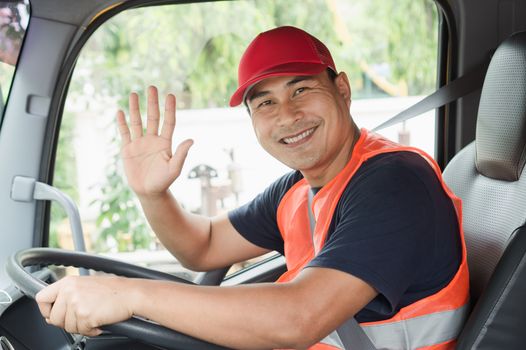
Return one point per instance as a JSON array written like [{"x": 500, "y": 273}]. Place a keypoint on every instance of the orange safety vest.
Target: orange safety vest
[{"x": 431, "y": 323}]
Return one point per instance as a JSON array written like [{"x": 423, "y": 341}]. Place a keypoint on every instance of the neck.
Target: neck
[{"x": 320, "y": 177}]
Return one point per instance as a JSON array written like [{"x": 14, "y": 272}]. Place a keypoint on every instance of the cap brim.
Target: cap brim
[{"x": 292, "y": 69}]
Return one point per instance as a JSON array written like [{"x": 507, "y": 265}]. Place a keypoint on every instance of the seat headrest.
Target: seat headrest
[{"x": 501, "y": 122}]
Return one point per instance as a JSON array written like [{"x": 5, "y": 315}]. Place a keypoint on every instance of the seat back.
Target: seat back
[{"x": 488, "y": 176}]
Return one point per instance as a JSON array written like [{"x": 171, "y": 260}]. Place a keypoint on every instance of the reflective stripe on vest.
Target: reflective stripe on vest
[
  {"x": 425, "y": 330},
  {"x": 434, "y": 321}
]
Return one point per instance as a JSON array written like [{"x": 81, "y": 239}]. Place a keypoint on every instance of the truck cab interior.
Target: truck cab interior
[{"x": 479, "y": 140}]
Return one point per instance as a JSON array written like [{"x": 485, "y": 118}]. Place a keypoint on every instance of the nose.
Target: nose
[{"x": 289, "y": 113}]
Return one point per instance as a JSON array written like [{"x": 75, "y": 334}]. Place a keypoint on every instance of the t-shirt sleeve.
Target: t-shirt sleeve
[
  {"x": 380, "y": 229},
  {"x": 256, "y": 220}
]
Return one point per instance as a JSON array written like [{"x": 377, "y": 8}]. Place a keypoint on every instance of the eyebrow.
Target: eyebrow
[
  {"x": 291, "y": 82},
  {"x": 298, "y": 79},
  {"x": 253, "y": 96}
]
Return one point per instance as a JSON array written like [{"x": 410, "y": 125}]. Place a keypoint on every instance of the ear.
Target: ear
[{"x": 343, "y": 87}]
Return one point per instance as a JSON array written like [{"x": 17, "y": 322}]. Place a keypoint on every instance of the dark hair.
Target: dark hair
[{"x": 332, "y": 74}]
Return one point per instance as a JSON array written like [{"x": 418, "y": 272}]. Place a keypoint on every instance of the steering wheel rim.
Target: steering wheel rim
[{"x": 134, "y": 328}]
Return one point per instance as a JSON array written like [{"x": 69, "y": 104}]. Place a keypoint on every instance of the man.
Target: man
[{"x": 367, "y": 227}]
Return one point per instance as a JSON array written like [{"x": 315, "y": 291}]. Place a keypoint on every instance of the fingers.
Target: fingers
[
  {"x": 124, "y": 131},
  {"x": 63, "y": 306},
  {"x": 70, "y": 320},
  {"x": 45, "y": 299},
  {"x": 135, "y": 116},
  {"x": 135, "y": 129},
  {"x": 177, "y": 161},
  {"x": 169, "y": 118},
  {"x": 84, "y": 328},
  {"x": 45, "y": 308},
  {"x": 58, "y": 313},
  {"x": 152, "y": 123},
  {"x": 72, "y": 317},
  {"x": 52, "y": 307}
]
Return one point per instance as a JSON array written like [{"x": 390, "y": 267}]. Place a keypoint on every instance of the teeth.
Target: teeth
[{"x": 289, "y": 140}]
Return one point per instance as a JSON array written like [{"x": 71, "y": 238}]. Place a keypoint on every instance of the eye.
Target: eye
[
  {"x": 264, "y": 103},
  {"x": 299, "y": 90}
]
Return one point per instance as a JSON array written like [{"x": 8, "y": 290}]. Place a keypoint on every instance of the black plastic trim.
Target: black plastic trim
[{"x": 447, "y": 53}]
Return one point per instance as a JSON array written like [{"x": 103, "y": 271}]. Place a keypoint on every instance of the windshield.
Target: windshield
[{"x": 192, "y": 50}]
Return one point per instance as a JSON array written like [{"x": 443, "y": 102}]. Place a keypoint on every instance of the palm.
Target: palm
[{"x": 149, "y": 163}]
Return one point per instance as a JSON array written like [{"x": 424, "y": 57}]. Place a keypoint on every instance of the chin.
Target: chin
[{"x": 303, "y": 166}]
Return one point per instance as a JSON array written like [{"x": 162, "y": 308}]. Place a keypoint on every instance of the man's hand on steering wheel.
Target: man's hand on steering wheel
[
  {"x": 82, "y": 304},
  {"x": 98, "y": 302}
]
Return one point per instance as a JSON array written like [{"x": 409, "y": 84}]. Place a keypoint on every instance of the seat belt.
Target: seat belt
[
  {"x": 450, "y": 92},
  {"x": 351, "y": 334}
]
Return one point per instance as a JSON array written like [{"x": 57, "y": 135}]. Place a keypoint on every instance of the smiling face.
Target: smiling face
[{"x": 304, "y": 122}]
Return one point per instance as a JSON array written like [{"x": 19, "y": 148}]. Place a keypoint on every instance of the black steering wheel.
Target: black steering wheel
[{"x": 134, "y": 328}]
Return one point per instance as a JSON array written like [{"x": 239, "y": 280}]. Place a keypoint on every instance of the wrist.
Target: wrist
[
  {"x": 151, "y": 198},
  {"x": 137, "y": 294}
]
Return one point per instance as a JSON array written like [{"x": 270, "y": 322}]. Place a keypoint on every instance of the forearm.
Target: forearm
[
  {"x": 185, "y": 235},
  {"x": 262, "y": 316},
  {"x": 294, "y": 314}
]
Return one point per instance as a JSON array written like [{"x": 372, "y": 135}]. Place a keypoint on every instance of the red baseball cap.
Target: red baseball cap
[{"x": 278, "y": 52}]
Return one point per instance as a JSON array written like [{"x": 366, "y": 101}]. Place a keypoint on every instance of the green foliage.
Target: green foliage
[
  {"x": 193, "y": 49},
  {"x": 412, "y": 34}
]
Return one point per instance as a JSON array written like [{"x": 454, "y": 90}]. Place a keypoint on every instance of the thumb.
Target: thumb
[{"x": 177, "y": 160}]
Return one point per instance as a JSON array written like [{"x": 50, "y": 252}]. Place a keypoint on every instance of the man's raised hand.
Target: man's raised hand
[{"x": 149, "y": 163}]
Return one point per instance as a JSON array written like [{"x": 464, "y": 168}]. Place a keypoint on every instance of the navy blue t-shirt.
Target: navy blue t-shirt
[{"x": 394, "y": 227}]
